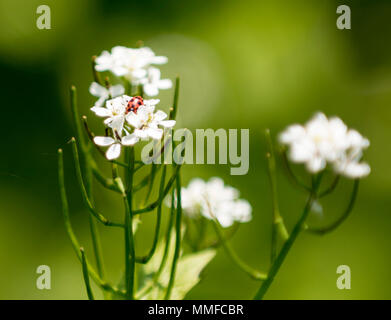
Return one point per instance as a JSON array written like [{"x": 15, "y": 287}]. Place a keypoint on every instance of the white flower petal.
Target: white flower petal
[
  {"x": 150, "y": 89},
  {"x": 139, "y": 73},
  {"x": 151, "y": 102},
  {"x": 164, "y": 84},
  {"x": 114, "y": 151},
  {"x": 159, "y": 115},
  {"x": 155, "y": 133},
  {"x": 167, "y": 123},
  {"x": 104, "y": 141},
  {"x": 101, "y": 112},
  {"x": 97, "y": 90},
  {"x": 159, "y": 60},
  {"x": 117, "y": 90},
  {"x": 100, "y": 102},
  {"x": 153, "y": 74},
  {"x": 316, "y": 164},
  {"x": 133, "y": 120},
  {"x": 117, "y": 123},
  {"x": 242, "y": 210},
  {"x": 130, "y": 140},
  {"x": 141, "y": 133},
  {"x": 292, "y": 133}
]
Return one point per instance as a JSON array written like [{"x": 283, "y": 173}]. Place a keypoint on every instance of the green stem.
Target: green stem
[
  {"x": 168, "y": 235},
  {"x": 88, "y": 175},
  {"x": 83, "y": 190},
  {"x": 295, "y": 180},
  {"x": 201, "y": 234},
  {"x": 68, "y": 226},
  {"x": 167, "y": 238},
  {"x": 343, "y": 217},
  {"x": 278, "y": 223},
  {"x": 174, "y": 109},
  {"x": 130, "y": 256},
  {"x": 93, "y": 224},
  {"x": 153, "y": 205},
  {"x": 254, "y": 274},
  {"x": 177, "y": 238},
  {"x": 288, "y": 244},
  {"x": 331, "y": 188},
  {"x": 76, "y": 119},
  {"x": 95, "y": 73},
  {"x": 85, "y": 275},
  {"x": 146, "y": 258},
  {"x": 105, "y": 182},
  {"x": 151, "y": 179}
]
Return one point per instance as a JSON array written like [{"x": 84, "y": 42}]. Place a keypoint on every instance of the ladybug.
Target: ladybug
[{"x": 134, "y": 103}]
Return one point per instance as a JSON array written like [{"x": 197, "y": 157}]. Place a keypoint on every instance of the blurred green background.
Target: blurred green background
[{"x": 243, "y": 64}]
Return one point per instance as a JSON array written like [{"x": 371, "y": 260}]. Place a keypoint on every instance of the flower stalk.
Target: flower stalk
[
  {"x": 278, "y": 226},
  {"x": 289, "y": 242},
  {"x": 178, "y": 237},
  {"x": 86, "y": 276},
  {"x": 130, "y": 255},
  {"x": 254, "y": 274}
]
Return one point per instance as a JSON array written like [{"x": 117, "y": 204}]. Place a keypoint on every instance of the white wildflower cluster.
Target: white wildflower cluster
[
  {"x": 214, "y": 200},
  {"x": 130, "y": 119},
  {"x": 135, "y": 65},
  {"x": 323, "y": 141}
]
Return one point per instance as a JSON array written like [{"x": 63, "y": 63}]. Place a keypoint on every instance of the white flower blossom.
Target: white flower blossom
[
  {"x": 128, "y": 62},
  {"x": 214, "y": 200},
  {"x": 146, "y": 123},
  {"x": 104, "y": 94},
  {"x": 323, "y": 141},
  {"x": 114, "y": 112},
  {"x": 114, "y": 150},
  {"x": 152, "y": 83}
]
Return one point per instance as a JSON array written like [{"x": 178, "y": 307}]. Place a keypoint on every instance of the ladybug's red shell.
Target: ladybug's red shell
[{"x": 134, "y": 103}]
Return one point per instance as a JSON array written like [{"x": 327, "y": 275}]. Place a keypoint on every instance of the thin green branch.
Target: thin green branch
[
  {"x": 254, "y": 274},
  {"x": 85, "y": 197},
  {"x": 168, "y": 235},
  {"x": 278, "y": 223},
  {"x": 295, "y": 180},
  {"x": 174, "y": 110},
  {"x": 68, "y": 226},
  {"x": 288, "y": 244},
  {"x": 178, "y": 237},
  {"x": 95, "y": 73},
  {"x": 343, "y": 217},
  {"x": 84, "y": 147},
  {"x": 331, "y": 188},
  {"x": 229, "y": 235},
  {"x": 105, "y": 182},
  {"x": 150, "y": 182},
  {"x": 146, "y": 258},
  {"x": 130, "y": 255},
  {"x": 86, "y": 276},
  {"x": 167, "y": 242},
  {"x": 154, "y": 204},
  {"x": 76, "y": 119}
]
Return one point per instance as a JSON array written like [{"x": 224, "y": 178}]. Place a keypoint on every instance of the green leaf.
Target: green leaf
[
  {"x": 188, "y": 272},
  {"x": 187, "y": 276}
]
